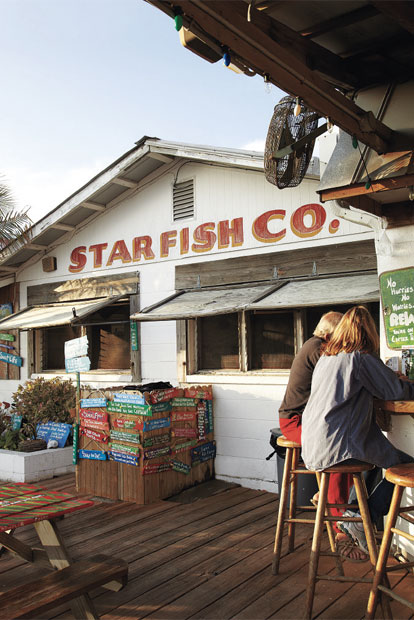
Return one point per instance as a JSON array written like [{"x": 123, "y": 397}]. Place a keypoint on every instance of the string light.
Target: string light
[
  {"x": 178, "y": 18},
  {"x": 226, "y": 57},
  {"x": 298, "y": 108},
  {"x": 267, "y": 84},
  {"x": 354, "y": 142}
]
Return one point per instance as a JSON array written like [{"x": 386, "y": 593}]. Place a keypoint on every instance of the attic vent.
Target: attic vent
[{"x": 183, "y": 200}]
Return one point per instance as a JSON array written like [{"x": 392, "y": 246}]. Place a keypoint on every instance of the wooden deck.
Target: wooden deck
[{"x": 207, "y": 556}]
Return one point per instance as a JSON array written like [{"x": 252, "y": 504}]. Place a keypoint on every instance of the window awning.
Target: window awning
[
  {"x": 321, "y": 292},
  {"x": 202, "y": 302},
  {"x": 290, "y": 294},
  {"x": 50, "y": 315}
]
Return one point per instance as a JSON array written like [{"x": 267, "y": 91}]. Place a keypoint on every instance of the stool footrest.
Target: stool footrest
[
  {"x": 396, "y": 596},
  {"x": 406, "y": 565},
  {"x": 344, "y": 578},
  {"x": 406, "y": 535}
]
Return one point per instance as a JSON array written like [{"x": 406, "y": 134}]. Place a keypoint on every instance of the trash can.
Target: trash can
[{"x": 307, "y": 485}]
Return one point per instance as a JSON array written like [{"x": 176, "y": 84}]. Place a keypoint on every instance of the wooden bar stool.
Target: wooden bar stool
[
  {"x": 403, "y": 477},
  {"x": 356, "y": 469},
  {"x": 291, "y": 470}
]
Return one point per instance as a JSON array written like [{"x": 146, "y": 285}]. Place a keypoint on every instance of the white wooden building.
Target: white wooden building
[{"x": 254, "y": 267}]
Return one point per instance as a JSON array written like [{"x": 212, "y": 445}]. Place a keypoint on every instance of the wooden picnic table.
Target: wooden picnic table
[{"x": 23, "y": 504}]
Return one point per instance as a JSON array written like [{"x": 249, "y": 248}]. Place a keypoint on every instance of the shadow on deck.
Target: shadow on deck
[{"x": 204, "y": 555}]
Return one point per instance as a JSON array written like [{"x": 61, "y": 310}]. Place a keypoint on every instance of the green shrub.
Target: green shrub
[{"x": 44, "y": 400}]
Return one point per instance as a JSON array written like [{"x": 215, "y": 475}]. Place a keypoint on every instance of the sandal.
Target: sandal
[{"x": 350, "y": 551}]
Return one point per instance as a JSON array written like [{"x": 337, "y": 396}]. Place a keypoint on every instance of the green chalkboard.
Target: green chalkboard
[{"x": 397, "y": 294}]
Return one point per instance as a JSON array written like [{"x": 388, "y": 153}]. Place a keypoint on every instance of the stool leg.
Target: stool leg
[
  {"x": 331, "y": 535},
  {"x": 316, "y": 545},
  {"x": 292, "y": 503},
  {"x": 283, "y": 500},
  {"x": 384, "y": 552}
]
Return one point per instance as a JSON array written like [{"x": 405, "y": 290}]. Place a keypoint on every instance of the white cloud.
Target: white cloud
[
  {"x": 43, "y": 190},
  {"x": 255, "y": 145}
]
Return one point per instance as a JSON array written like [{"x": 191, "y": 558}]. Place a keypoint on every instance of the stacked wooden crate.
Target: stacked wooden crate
[{"x": 143, "y": 446}]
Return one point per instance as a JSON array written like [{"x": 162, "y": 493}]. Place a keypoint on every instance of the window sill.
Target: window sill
[
  {"x": 280, "y": 377},
  {"x": 91, "y": 376}
]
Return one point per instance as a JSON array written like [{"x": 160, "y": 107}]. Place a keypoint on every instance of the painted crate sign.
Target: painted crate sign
[
  {"x": 155, "y": 440},
  {"x": 90, "y": 414},
  {"x": 8, "y": 337},
  {"x": 134, "y": 399},
  {"x": 92, "y": 455},
  {"x": 155, "y": 453},
  {"x": 199, "y": 391},
  {"x": 119, "y": 447},
  {"x": 183, "y": 402},
  {"x": 182, "y": 447},
  {"x": 201, "y": 425},
  {"x": 185, "y": 432},
  {"x": 129, "y": 408},
  {"x": 155, "y": 468},
  {"x": 100, "y": 426},
  {"x": 161, "y": 407},
  {"x": 93, "y": 402},
  {"x": 183, "y": 416},
  {"x": 179, "y": 466},
  {"x": 121, "y": 436},
  {"x": 133, "y": 425},
  {"x": 9, "y": 358},
  {"x": 158, "y": 396},
  {"x": 209, "y": 420},
  {"x": 16, "y": 421},
  {"x": 134, "y": 335},
  {"x": 151, "y": 425},
  {"x": 95, "y": 435},
  {"x": 78, "y": 364},
  {"x": 121, "y": 457},
  {"x": 54, "y": 430},
  {"x": 203, "y": 453}
]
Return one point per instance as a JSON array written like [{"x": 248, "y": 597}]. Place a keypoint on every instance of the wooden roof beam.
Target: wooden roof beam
[
  {"x": 282, "y": 59},
  {"x": 340, "y": 21},
  {"x": 399, "y": 11},
  {"x": 359, "y": 189}
]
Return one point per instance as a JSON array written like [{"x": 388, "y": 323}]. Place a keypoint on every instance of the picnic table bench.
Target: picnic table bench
[{"x": 32, "y": 599}]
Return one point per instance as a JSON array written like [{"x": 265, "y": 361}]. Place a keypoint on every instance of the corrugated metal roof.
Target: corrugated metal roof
[
  {"x": 202, "y": 302},
  {"x": 321, "y": 292},
  {"x": 50, "y": 315}
]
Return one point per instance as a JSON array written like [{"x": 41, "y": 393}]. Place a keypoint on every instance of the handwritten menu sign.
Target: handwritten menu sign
[
  {"x": 397, "y": 294},
  {"x": 54, "y": 430}
]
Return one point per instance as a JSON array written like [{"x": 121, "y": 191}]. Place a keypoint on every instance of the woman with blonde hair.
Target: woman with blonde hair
[{"x": 338, "y": 422}]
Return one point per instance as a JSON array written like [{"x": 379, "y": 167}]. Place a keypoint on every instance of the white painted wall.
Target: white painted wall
[{"x": 245, "y": 407}]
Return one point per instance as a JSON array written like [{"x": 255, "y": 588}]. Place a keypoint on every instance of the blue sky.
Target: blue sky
[{"x": 84, "y": 79}]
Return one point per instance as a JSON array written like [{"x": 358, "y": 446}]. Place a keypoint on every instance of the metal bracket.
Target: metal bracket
[{"x": 296, "y": 146}]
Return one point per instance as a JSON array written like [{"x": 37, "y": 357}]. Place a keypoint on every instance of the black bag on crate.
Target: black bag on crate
[{"x": 274, "y": 434}]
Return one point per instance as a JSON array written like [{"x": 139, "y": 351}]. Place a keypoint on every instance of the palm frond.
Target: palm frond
[{"x": 14, "y": 224}]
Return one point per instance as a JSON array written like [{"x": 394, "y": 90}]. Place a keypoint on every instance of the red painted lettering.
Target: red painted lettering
[
  {"x": 141, "y": 246},
  {"x": 261, "y": 230},
  {"x": 204, "y": 237},
  {"x": 297, "y": 221},
  {"x": 184, "y": 241},
  {"x": 78, "y": 258},
  {"x": 97, "y": 253},
  {"x": 236, "y": 233},
  {"x": 119, "y": 252},
  {"x": 167, "y": 240}
]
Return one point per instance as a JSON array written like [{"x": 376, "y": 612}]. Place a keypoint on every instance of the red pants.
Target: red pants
[{"x": 339, "y": 484}]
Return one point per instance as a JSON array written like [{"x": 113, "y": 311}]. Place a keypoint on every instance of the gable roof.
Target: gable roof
[{"x": 149, "y": 158}]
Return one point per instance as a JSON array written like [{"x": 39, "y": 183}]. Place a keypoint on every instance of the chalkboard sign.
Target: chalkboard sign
[
  {"x": 397, "y": 294},
  {"x": 54, "y": 430}
]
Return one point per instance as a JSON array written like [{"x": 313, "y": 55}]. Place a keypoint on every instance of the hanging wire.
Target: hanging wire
[{"x": 368, "y": 184}]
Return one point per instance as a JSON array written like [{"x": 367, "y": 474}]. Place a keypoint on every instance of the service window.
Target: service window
[
  {"x": 272, "y": 340},
  {"x": 108, "y": 332},
  {"x": 218, "y": 342}
]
